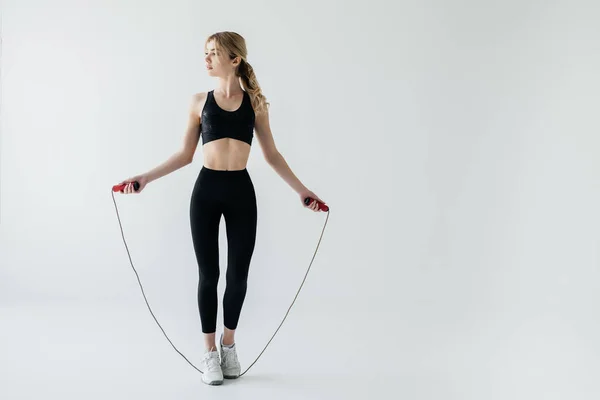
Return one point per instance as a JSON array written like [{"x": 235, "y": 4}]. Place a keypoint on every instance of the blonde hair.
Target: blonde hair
[{"x": 234, "y": 44}]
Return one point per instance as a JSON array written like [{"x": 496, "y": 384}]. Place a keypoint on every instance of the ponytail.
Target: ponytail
[{"x": 250, "y": 83}]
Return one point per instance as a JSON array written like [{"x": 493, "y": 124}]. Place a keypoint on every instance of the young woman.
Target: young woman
[{"x": 226, "y": 118}]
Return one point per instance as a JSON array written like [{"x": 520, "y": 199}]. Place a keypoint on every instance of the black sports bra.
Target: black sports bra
[{"x": 218, "y": 123}]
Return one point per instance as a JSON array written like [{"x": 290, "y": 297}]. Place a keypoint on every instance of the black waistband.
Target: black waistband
[{"x": 223, "y": 173}]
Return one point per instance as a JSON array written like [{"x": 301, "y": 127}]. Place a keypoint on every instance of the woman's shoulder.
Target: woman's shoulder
[
  {"x": 198, "y": 101},
  {"x": 200, "y": 96}
]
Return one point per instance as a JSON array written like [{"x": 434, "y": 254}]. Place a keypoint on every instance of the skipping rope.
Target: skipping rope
[{"x": 322, "y": 207}]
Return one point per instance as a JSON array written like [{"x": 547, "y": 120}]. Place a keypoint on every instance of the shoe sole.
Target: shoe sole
[
  {"x": 227, "y": 374},
  {"x": 213, "y": 383}
]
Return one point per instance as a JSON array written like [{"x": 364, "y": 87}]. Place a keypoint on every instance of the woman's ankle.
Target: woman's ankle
[
  {"x": 210, "y": 342},
  {"x": 228, "y": 338}
]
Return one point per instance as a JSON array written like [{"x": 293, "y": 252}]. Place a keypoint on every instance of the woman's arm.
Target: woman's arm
[
  {"x": 272, "y": 155},
  {"x": 277, "y": 161},
  {"x": 185, "y": 155},
  {"x": 180, "y": 158}
]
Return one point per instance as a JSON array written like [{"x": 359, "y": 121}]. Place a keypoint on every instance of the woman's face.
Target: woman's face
[{"x": 217, "y": 64}]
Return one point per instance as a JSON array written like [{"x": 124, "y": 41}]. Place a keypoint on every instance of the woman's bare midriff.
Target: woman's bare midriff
[{"x": 226, "y": 154}]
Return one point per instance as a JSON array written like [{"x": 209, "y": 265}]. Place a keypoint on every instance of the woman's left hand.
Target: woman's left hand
[{"x": 313, "y": 205}]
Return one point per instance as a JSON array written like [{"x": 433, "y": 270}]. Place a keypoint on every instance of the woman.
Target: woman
[{"x": 226, "y": 118}]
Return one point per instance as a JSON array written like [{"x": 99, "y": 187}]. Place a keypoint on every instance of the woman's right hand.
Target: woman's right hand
[{"x": 141, "y": 179}]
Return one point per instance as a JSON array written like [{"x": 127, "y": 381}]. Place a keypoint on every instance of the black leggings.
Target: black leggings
[{"x": 229, "y": 194}]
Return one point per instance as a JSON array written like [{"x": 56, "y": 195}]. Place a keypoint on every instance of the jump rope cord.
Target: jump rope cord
[{"x": 161, "y": 328}]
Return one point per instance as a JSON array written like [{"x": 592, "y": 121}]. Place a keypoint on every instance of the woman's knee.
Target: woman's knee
[{"x": 209, "y": 282}]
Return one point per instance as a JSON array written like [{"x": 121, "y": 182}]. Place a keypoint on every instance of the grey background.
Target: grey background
[{"x": 456, "y": 143}]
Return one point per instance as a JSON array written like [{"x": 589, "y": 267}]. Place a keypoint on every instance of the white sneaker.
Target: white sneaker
[
  {"x": 229, "y": 361},
  {"x": 211, "y": 368}
]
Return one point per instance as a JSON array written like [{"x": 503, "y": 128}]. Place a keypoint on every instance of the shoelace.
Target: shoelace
[
  {"x": 229, "y": 356},
  {"x": 212, "y": 362}
]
